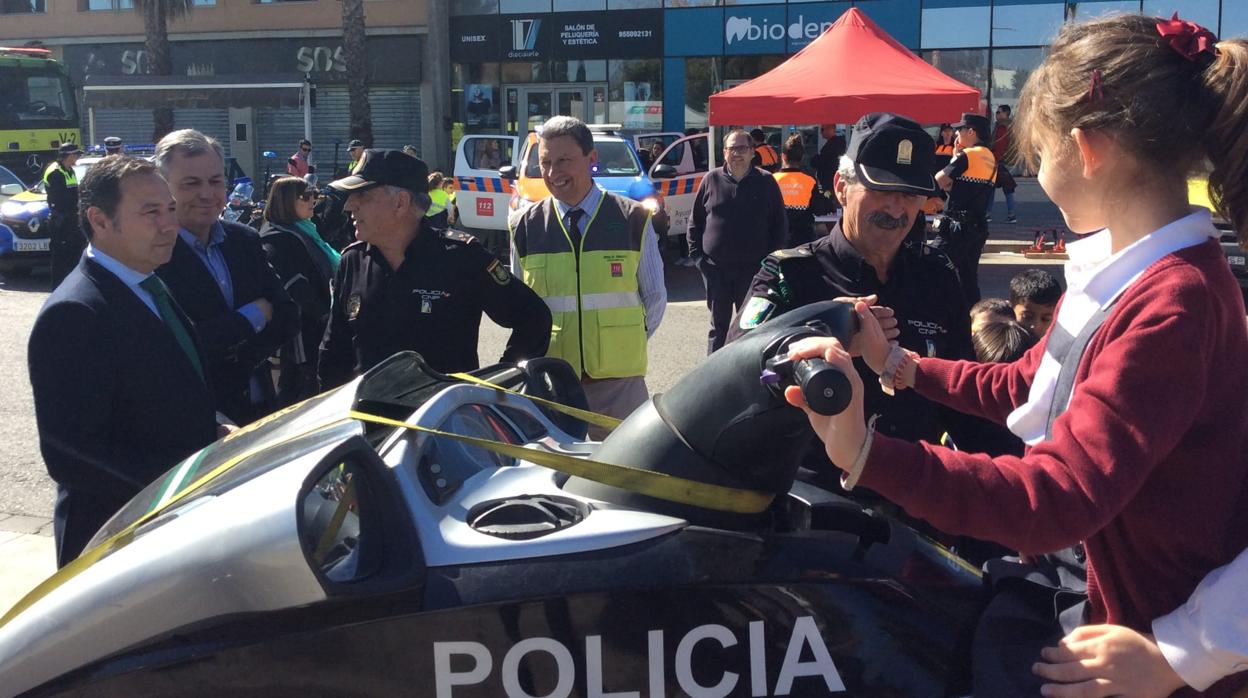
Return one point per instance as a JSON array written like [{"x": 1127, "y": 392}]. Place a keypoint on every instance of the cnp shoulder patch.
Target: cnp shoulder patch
[
  {"x": 499, "y": 272},
  {"x": 353, "y": 306},
  {"x": 756, "y": 312}
]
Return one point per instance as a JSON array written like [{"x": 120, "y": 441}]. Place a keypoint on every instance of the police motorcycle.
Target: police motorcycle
[{"x": 413, "y": 533}]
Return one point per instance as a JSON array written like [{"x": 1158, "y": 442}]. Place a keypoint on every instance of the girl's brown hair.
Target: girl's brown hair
[
  {"x": 280, "y": 208},
  {"x": 1118, "y": 75},
  {"x": 435, "y": 179}
]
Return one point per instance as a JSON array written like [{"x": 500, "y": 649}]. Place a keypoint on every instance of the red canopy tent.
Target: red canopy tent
[{"x": 852, "y": 69}]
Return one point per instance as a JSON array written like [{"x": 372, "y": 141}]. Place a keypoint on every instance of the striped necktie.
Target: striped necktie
[{"x": 164, "y": 304}]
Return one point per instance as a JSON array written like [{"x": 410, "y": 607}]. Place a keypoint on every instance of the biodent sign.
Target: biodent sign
[
  {"x": 472, "y": 664},
  {"x": 738, "y": 29}
]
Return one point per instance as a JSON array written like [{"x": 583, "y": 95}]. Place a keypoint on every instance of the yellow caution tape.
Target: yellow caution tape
[
  {"x": 653, "y": 484},
  {"x": 594, "y": 418}
]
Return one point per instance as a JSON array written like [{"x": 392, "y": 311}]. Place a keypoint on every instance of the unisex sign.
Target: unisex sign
[{"x": 474, "y": 39}]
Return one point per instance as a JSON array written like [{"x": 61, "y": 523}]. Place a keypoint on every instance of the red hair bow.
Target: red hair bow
[{"x": 1189, "y": 39}]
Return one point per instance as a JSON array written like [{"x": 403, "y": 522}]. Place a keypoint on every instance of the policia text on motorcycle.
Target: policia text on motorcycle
[
  {"x": 61, "y": 184},
  {"x": 406, "y": 286},
  {"x": 594, "y": 258}
]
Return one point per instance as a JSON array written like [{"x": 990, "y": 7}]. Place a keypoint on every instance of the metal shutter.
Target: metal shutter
[
  {"x": 396, "y": 122},
  {"x": 134, "y": 126}
]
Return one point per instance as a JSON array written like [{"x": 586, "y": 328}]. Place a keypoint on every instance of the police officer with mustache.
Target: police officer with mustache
[{"x": 882, "y": 182}]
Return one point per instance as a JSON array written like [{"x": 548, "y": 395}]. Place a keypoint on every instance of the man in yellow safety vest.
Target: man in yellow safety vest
[{"x": 593, "y": 257}]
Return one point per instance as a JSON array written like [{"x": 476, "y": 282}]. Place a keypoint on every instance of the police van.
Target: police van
[{"x": 498, "y": 175}]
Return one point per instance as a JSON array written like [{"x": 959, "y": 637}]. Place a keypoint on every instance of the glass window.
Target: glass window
[
  {"x": 749, "y": 67},
  {"x": 1234, "y": 20},
  {"x": 954, "y": 23},
  {"x": 1087, "y": 9},
  {"x": 748, "y": 2},
  {"x": 1202, "y": 12},
  {"x": 579, "y": 71},
  {"x": 32, "y": 99},
  {"x": 474, "y": 7},
  {"x": 970, "y": 66},
  {"x": 900, "y": 18},
  {"x": 523, "y": 6},
  {"x": 633, "y": 4},
  {"x": 535, "y": 71},
  {"x": 578, "y": 5},
  {"x": 692, "y": 3},
  {"x": 616, "y": 159},
  {"x": 1010, "y": 70},
  {"x": 635, "y": 93},
  {"x": 105, "y": 5},
  {"x": 1026, "y": 23},
  {"x": 702, "y": 78},
  {"x": 22, "y": 7}
]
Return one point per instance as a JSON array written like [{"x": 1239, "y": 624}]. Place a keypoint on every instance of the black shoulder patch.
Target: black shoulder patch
[
  {"x": 773, "y": 261},
  {"x": 932, "y": 255},
  {"x": 460, "y": 237}
]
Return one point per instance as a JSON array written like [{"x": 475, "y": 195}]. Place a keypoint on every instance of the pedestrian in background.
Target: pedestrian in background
[
  {"x": 969, "y": 179},
  {"x": 60, "y": 182},
  {"x": 219, "y": 275},
  {"x": 946, "y": 143},
  {"x": 738, "y": 218},
  {"x": 1001, "y": 151},
  {"x": 297, "y": 164},
  {"x": 803, "y": 198},
  {"x": 306, "y": 264},
  {"x": 765, "y": 156},
  {"x": 438, "y": 214},
  {"x": 114, "y": 146},
  {"x": 828, "y": 160}
]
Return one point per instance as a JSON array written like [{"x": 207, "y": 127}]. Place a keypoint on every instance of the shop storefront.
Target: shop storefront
[
  {"x": 394, "y": 94},
  {"x": 653, "y": 64}
]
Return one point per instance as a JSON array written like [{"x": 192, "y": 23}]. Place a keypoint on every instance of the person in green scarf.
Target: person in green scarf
[{"x": 305, "y": 263}]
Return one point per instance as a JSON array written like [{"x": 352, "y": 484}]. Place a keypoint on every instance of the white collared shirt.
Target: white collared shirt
[{"x": 1095, "y": 277}]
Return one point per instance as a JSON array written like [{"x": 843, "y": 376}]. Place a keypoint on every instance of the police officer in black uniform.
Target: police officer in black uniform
[
  {"x": 114, "y": 146},
  {"x": 61, "y": 184},
  {"x": 969, "y": 178},
  {"x": 866, "y": 254},
  {"x": 405, "y": 286}
]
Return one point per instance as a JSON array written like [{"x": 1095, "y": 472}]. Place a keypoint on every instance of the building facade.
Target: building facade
[
  {"x": 300, "y": 40},
  {"x": 652, "y": 64}
]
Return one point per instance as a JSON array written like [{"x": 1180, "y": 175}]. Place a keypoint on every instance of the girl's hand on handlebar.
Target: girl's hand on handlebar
[
  {"x": 844, "y": 433},
  {"x": 1106, "y": 660}
]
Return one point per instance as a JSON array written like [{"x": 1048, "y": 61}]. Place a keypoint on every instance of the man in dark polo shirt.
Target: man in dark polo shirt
[
  {"x": 882, "y": 183},
  {"x": 738, "y": 217}
]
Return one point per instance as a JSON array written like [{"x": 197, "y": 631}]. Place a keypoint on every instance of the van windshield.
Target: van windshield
[{"x": 615, "y": 159}]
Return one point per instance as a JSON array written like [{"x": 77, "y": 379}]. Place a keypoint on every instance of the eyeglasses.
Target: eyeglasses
[{"x": 738, "y": 148}]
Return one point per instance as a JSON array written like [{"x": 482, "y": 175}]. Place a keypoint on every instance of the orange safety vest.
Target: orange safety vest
[
  {"x": 796, "y": 188},
  {"x": 944, "y": 149},
  {"x": 766, "y": 155},
  {"x": 981, "y": 166}
]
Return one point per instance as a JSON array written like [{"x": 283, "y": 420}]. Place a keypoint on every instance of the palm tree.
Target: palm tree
[
  {"x": 356, "y": 56},
  {"x": 156, "y": 17}
]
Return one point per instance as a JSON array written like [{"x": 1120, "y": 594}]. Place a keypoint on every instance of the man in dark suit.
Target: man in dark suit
[
  {"x": 219, "y": 275},
  {"x": 119, "y": 388}
]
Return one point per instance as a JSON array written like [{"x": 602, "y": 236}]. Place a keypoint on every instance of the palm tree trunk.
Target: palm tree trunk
[
  {"x": 438, "y": 63},
  {"x": 353, "y": 45},
  {"x": 159, "y": 59}
]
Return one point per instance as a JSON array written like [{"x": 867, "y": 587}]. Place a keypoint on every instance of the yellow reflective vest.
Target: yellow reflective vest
[{"x": 598, "y": 318}]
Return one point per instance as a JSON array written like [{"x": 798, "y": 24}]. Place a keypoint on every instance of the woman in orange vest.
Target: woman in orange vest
[
  {"x": 944, "y": 147},
  {"x": 764, "y": 155}
]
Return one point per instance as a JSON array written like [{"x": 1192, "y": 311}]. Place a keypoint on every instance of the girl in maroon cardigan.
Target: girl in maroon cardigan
[{"x": 1146, "y": 465}]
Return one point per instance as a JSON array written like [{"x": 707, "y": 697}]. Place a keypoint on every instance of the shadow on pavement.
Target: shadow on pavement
[{"x": 30, "y": 282}]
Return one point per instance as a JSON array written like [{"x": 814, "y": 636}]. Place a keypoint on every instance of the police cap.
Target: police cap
[
  {"x": 892, "y": 153},
  {"x": 68, "y": 149},
  {"x": 378, "y": 167},
  {"x": 977, "y": 122},
  {"x": 112, "y": 143}
]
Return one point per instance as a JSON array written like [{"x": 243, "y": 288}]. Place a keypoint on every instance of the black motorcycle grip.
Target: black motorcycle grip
[{"x": 824, "y": 387}]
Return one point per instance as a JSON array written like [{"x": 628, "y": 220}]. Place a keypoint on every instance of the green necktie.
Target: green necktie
[{"x": 164, "y": 303}]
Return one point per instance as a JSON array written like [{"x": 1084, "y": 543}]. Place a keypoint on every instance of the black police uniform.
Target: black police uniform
[
  {"x": 922, "y": 288},
  {"x": 66, "y": 239},
  {"x": 431, "y": 304}
]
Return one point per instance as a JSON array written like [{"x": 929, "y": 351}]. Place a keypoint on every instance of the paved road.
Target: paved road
[{"x": 679, "y": 344}]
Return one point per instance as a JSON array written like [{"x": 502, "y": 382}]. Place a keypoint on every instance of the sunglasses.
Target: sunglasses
[{"x": 739, "y": 149}]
